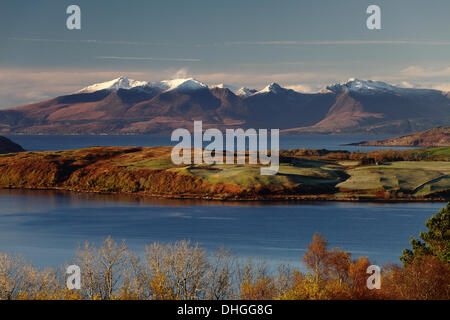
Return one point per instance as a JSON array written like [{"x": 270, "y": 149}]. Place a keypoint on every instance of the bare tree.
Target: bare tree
[
  {"x": 283, "y": 279},
  {"x": 135, "y": 279},
  {"x": 11, "y": 276},
  {"x": 43, "y": 284},
  {"x": 102, "y": 268},
  {"x": 177, "y": 271},
  {"x": 220, "y": 275}
]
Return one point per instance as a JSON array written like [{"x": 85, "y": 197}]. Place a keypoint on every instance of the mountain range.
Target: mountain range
[{"x": 125, "y": 106}]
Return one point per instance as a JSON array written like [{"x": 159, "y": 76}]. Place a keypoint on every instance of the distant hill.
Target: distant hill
[
  {"x": 436, "y": 137},
  {"x": 7, "y": 146},
  {"x": 125, "y": 106}
]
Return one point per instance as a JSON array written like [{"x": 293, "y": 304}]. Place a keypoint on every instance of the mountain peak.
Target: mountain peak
[
  {"x": 245, "y": 92},
  {"x": 366, "y": 86},
  {"x": 272, "y": 87},
  {"x": 119, "y": 83},
  {"x": 123, "y": 82},
  {"x": 182, "y": 84}
]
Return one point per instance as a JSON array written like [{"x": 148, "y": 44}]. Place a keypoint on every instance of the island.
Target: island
[
  {"x": 382, "y": 175},
  {"x": 7, "y": 146},
  {"x": 435, "y": 137}
]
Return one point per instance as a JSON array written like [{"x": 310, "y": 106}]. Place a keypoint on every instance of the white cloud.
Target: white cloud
[
  {"x": 303, "y": 88},
  {"x": 442, "y": 87},
  {"x": 336, "y": 42},
  {"x": 20, "y": 87},
  {"x": 92, "y": 41},
  {"x": 181, "y": 74},
  {"x": 406, "y": 84},
  {"x": 147, "y": 59},
  {"x": 420, "y": 72}
]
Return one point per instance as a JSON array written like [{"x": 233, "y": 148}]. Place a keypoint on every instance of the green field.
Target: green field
[
  {"x": 301, "y": 173},
  {"x": 418, "y": 178}
]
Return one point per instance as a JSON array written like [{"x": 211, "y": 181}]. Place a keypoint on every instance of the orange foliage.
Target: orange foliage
[{"x": 261, "y": 289}]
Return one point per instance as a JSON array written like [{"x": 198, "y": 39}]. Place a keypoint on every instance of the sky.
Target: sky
[{"x": 304, "y": 45}]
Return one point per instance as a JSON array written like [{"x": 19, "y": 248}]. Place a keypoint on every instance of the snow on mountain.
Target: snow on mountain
[
  {"x": 365, "y": 86},
  {"x": 245, "y": 92},
  {"x": 115, "y": 84},
  {"x": 179, "y": 84},
  {"x": 225, "y": 86},
  {"x": 165, "y": 85},
  {"x": 189, "y": 84},
  {"x": 273, "y": 88}
]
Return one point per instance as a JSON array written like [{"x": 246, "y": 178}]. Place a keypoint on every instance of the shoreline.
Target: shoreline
[
  {"x": 304, "y": 175},
  {"x": 269, "y": 199}
]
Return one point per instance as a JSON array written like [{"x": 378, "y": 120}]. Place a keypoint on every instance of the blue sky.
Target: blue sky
[{"x": 301, "y": 44}]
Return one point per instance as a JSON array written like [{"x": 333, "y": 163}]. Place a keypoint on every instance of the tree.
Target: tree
[
  {"x": 220, "y": 275},
  {"x": 177, "y": 271},
  {"x": 102, "y": 268},
  {"x": 316, "y": 257},
  {"x": 254, "y": 280},
  {"x": 260, "y": 289},
  {"x": 425, "y": 278},
  {"x": 11, "y": 276},
  {"x": 435, "y": 242}
]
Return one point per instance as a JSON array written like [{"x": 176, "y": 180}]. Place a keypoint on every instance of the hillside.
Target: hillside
[
  {"x": 303, "y": 175},
  {"x": 7, "y": 146},
  {"x": 379, "y": 108},
  {"x": 436, "y": 137},
  {"x": 125, "y": 106}
]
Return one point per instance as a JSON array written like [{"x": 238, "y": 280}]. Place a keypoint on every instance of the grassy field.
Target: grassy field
[
  {"x": 302, "y": 175},
  {"x": 416, "y": 178},
  {"x": 442, "y": 153}
]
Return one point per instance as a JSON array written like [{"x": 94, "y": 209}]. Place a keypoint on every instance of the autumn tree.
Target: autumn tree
[
  {"x": 424, "y": 278},
  {"x": 102, "y": 268},
  {"x": 11, "y": 276},
  {"x": 255, "y": 281},
  {"x": 426, "y": 268},
  {"x": 177, "y": 271},
  {"x": 220, "y": 275},
  {"x": 316, "y": 257},
  {"x": 435, "y": 241}
]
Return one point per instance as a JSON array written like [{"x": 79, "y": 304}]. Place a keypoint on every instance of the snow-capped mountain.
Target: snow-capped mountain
[
  {"x": 371, "y": 87},
  {"x": 165, "y": 85},
  {"x": 113, "y": 85},
  {"x": 180, "y": 84},
  {"x": 274, "y": 88},
  {"x": 245, "y": 92},
  {"x": 352, "y": 85},
  {"x": 126, "y": 106}
]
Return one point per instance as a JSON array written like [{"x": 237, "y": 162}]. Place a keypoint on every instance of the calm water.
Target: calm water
[
  {"x": 47, "y": 227},
  {"x": 60, "y": 142}
]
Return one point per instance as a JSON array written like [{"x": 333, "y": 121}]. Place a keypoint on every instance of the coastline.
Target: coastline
[
  {"x": 273, "y": 198},
  {"x": 304, "y": 175}
]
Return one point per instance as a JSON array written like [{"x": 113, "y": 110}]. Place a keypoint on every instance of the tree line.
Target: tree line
[{"x": 183, "y": 270}]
